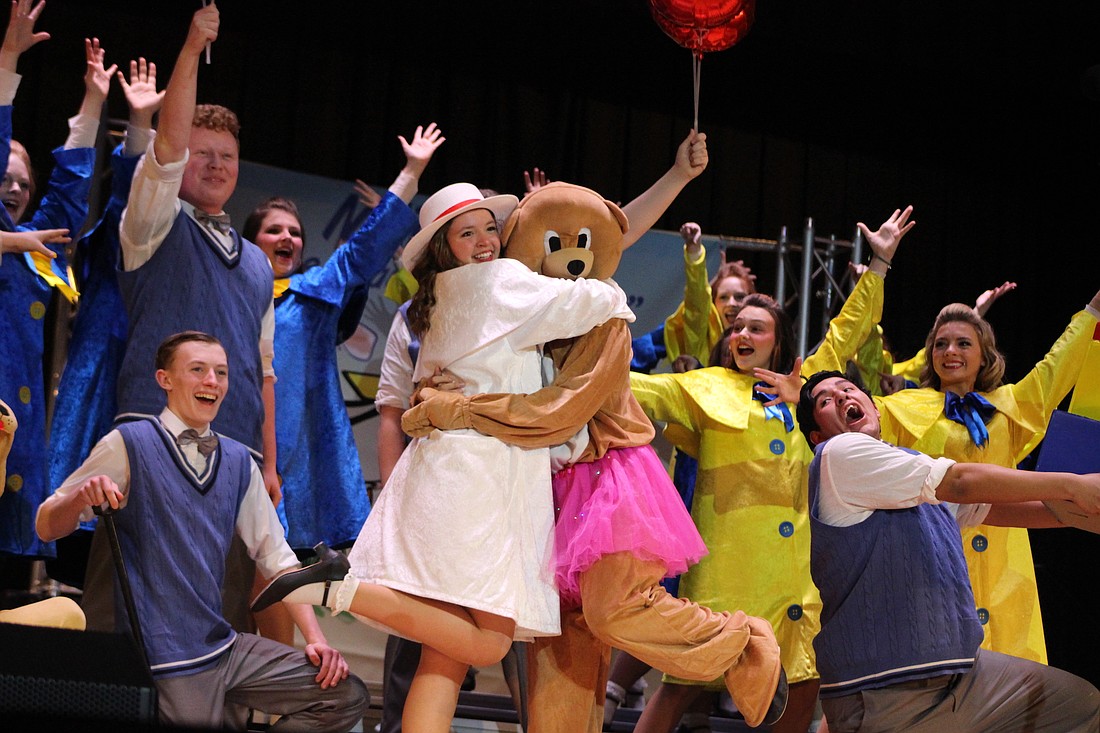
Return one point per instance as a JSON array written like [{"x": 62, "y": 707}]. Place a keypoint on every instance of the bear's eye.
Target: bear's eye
[
  {"x": 551, "y": 241},
  {"x": 584, "y": 238}
]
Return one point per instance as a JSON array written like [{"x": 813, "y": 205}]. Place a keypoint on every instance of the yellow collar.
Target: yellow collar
[{"x": 43, "y": 265}]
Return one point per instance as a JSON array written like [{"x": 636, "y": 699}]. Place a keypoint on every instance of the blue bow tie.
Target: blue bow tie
[
  {"x": 778, "y": 412},
  {"x": 971, "y": 410}
]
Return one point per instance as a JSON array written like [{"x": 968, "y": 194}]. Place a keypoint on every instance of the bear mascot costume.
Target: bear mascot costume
[{"x": 620, "y": 525}]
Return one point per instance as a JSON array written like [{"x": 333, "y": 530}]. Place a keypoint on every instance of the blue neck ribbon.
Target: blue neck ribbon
[
  {"x": 778, "y": 412},
  {"x": 971, "y": 410}
]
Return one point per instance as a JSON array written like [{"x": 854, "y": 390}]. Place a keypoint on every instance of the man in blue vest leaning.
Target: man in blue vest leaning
[
  {"x": 182, "y": 492},
  {"x": 899, "y": 641}
]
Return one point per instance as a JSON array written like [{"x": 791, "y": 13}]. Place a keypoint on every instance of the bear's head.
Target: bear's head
[{"x": 568, "y": 231}]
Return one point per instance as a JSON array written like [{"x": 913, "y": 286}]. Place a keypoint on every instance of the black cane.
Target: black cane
[{"x": 107, "y": 516}]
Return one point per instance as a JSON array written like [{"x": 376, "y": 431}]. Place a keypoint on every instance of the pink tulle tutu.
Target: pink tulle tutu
[{"x": 623, "y": 502}]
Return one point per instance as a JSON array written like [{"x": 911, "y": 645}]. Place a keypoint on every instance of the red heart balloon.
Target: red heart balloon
[
  {"x": 702, "y": 26},
  {"x": 697, "y": 13}
]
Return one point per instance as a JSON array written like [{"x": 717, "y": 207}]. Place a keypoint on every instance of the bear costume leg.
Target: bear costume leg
[
  {"x": 566, "y": 677},
  {"x": 627, "y": 608}
]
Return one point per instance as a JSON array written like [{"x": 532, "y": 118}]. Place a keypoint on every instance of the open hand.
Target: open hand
[
  {"x": 20, "y": 34},
  {"x": 989, "y": 297},
  {"x": 34, "y": 241},
  {"x": 534, "y": 180},
  {"x": 785, "y": 387},
  {"x": 97, "y": 80},
  {"x": 141, "y": 93},
  {"x": 424, "y": 144}
]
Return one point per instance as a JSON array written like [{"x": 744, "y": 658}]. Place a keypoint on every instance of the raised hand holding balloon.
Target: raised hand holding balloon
[{"x": 702, "y": 26}]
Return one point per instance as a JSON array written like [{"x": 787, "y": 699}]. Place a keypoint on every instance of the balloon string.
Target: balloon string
[{"x": 696, "y": 64}]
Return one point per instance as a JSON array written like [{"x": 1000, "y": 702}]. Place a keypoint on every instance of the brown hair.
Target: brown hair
[
  {"x": 255, "y": 218},
  {"x": 168, "y": 347},
  {"x": 992, "y": 371},
  {"x": 217, "y": 118},
  {"x": 437, "y": 258},
  {"x": 782, "y": 358}
]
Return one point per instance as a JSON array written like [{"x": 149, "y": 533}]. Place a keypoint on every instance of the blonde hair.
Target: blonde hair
[{"x": 992, "y": 370}]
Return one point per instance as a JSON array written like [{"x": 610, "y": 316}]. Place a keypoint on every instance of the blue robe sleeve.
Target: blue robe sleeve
[
  {"x": 65, "y": 205},
  {"x": 354, "y": 264},
  {"x": 97, "y": 252}
]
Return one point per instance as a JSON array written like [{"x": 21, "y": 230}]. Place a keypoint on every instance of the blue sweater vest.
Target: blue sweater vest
[
  {"x": 175, "y": 533},
  {"x": 189, "y": 284},
  {"x": 896, "y": 597}
]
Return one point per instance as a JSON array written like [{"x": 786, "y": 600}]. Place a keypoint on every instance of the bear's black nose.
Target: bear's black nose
[{"x": 575, "y": 267}]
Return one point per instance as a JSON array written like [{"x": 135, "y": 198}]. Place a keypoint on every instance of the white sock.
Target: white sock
[
  {"x": 343, "y": 593},
  {"x": 616, "y": 692}
]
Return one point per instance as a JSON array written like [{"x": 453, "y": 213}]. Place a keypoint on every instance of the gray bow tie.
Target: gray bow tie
[
  {"x": 207, "y": 444},
  {"x": 219, "y": 222}
]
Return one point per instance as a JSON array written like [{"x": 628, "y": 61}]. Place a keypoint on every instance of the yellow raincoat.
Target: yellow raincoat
[
  {"x": 696, "y": 326},
  {"x": 751, "y": 487},
  {"x": 999, "y": 558}
]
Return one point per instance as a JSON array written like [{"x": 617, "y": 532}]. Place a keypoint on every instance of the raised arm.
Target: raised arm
[
  {"x": 1039, "y": 392},
  {"x": 65, "y": 203},
  {"x": 534, "y": 179},
  {"x": 391, "y": 222},
  {"x": 142, "y": 97},
  {"x": 862, "y": 311},
  {"x": 20, "y": 34},
  {"x": 418, "y": 152},
  {"x": 644, "y": 211},
  {"x": 97, "y": 79},
  {"x": 884, "y": 240},
  {"x": 178, "y": 110},
  {"x": 991, "y": 296},
  {"x": 368, "y": 197}
]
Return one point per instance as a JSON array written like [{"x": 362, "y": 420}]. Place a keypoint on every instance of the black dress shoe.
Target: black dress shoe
[
  {"x": 331, "y": 566},
  {"x": 779, "y": 700}
]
